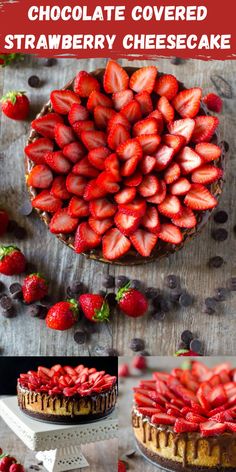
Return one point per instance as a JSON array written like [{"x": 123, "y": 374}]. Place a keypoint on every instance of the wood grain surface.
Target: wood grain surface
[
  {"x": 24, "y": 335},
  {"x": 126, "y": 439}
]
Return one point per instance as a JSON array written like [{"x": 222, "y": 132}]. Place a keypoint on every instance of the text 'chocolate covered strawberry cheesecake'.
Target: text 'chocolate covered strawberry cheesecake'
[
  {"x": 67, "y": 394},
  {"x": 186, "y": 419},
  {"x": 124, "y": 164}
]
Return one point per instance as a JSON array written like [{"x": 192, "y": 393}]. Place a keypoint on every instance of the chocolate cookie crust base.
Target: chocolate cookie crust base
[
  {"x": 177, "y": 466},
  {"x": 57, "y": 419}
]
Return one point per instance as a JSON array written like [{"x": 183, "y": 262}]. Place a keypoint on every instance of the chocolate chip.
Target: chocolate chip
[
  {"x": 208, "y": 310},
  {"x": 6, "y": 302},
  {"x": 111, "y": 300},
  {"x": 136, "y": 344},
  {"x": 158, "y": 315},
  {"x": 144, "y": 353},
  {"x": 211, "y": 302},
  {"x": 26, "y": 209},
  {"x": 38, "y": 311},
  {"x": 219, "y": 234},
  {"x": 15, "y": 287},
  {"x": 151, "y": 292},
  {"x": 121, "y": 281},
  {"x": 216, "y": 262},
  {"x": 12, "y": 225},
  {"x": 77, "y": 287},
  {"x": 182, "y": 345},
  {"x": 176, "y": 61},
  {"x": 221, "y": 294},
  {"x": 17, "y": 295},
  {"x": 80, "y": 337},
  {"x": 185, "y": 299},
  {"x": 91, "y": 327},
  {"x": 221, "y": 217},
  {"x": 136, "y": 284},
  {"x": 109, "y": 281},
  {"x": 34, "y": 81},
  {"x": 175, "y": 294},
  {"x": 111, "y": 352},
  {"x": 196, "y": 346},
  {"x": 187, "y": 337},
  {"x": 50, "y": 62},
  {"x": 46, "y": 301},
  {"x": 172, "y": 281},
  {"x": 2, "y": 286},
  {"x": 157, "y": 300}
]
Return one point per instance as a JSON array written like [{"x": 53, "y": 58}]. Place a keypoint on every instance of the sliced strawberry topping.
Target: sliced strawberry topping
[
  {"x": 76, "y": 184},
  {"x": 148, "y": 164},
  {"x": 143, "y": 400},
  {"x": 45, "y": 125},
  {"x": 211, "y": 428},
  {"x": 83, "y": 125},
  {"x": 59, "y": 189},
  {"x": 144, "y": 242},
  {"x": 163, "y": 418},
  {"x": 166, "y": 109},
  {"x": 115, "y": 244},
  {"x": 112, "y": 165},
  {"x": 149, "y": 186},
  {"x": 170, "y": 233},
  {"x": 97, "y": 157},
  {"x": 172, "y": 173},
  {"x": 174, "y": 141},
  {"x": 170, "y": 207},
  {"x": 183, "y": 128},
  {"x": 151, "y": 220},
  {"x": 187, "y": 102},
  {"x": 163, "y": 157},
  {"x": 77, "y": 113},
  {"x": 115, "y": 78},
  {"x": 102, "y": 208},
  {"x": 38, "y": 148},
  {"x": 135, "y": 208},
  {"x": 63, "y": 135},
  {"x": 97, "y": 98},
  {"x": 117, "y": 136},
  {"x": 188, "y": 160},
  {"x": 166, "y": 85},
  {"x": 149, "y": 142},
  {"x": 62, "y": 222},
  {"x": 118, "y": 119},
  {"x": 183, "y": 426},
  {"x": 147, "y": 126},
  {"x": 93, "y": 139},
  {"x": 102, "y": 115},
  {"x": 160, "y": 195},
  {"x": 44, "y": 201},
  {"x": 120, "y": 99},
  {"x": 127, "y": 224},
  {"x": 100, "y": 226},
  {"x": 57, "y": 161},
  {"x": 108, "y": 182},
  {"x": 40, "y": 177},
  {"x": 143, "y": 79},
  {"x": 85, "y": 168},
  {"x": 86, "y": 238},
  {"x": 148, "y": 411},
  {"x": 145, "y": 101},
  {"x": 85, "y": 84},
  {"x": 62, "y": 100},
  {"x": 180, "y": 187},
  {"x": 206, "y": 174},
  {"x": 186, "y": 219},
  {"x": 132, "y": 111},
  {"x": 78, "y": 207},
  {"x": 134, "y": 180},
  {"x": 127, "y": 195},
  {"x": 74, "y": 151},
  {"x": 204, "y": 129},
  {"x": 129, "y": 149},
  {"x": 208, "y": 151},
  {"x": 200, "y": 198},
  {"x": 92, "y": 191}
]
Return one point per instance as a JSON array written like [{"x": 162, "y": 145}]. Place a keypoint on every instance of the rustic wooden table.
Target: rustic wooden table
[
  {"x": 24, "y": 335},
  {"x": 126, "y": 439},
  {"x": 101, "y": 456}
]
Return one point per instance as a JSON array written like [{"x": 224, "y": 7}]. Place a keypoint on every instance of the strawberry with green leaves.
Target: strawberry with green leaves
[
  {"x": 95, "y": 307},
  {"x": 7, "y": 59},
  {"x": 63, "y": 315},
  {"x": 12, "y": 260},
  {"x": 34, "y": 288},
  {"x": 131, "y": 301},
  {"x": 15, "y": 105}
]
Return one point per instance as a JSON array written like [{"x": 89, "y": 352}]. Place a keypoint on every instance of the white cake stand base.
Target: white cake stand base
[{"x": 57, "y": 446}]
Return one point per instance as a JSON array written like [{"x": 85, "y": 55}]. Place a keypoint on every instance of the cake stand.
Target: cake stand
[{"x": 57, "y": 446}]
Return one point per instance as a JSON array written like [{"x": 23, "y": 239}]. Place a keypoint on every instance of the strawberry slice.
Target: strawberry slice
[
  {"x": 108, "y": 182},
  {"x": 129, "y": 149},
  {"x": 163, "y": 418},
  {"x": 160, "y": 196},
  {"x": 183, "y": 426},
  {"x": 112, "y": 165},
  {"x": 76, "y": 184},
  {"x": 143, "y": 79},
  {"x": 149, "y": 186},
  {"x": 102, "y": 208},
  {"x": 136, "y": 208},
  {"x": 180, "y": 187},
  {"x": 200, "y": 198},
  {"x": 45, "y": 124},
  {"x": 149, "y": 143},
  {"x": 147, "y": 126},
  {"x": 175, "y": 142},
  {"x": 59, "y": 189},
  {"x": 77, "y": 113},
  {"x": 208, "y": 151},
  {"x": 183, "y": 128},
  {"x": 170, "y": 234},
  {"x": 145, "y": 411},
  {"x": 93, "y": 139},
  {"x": 38, "y": 148},
  {"x": 172, "y": 173},
  {"x": 204, "y": 129},
  {"x": 62, "y": 222},
  {"x": 144, "y": 401},
  {"x": 158, "y": 116},
  {"x": 100, "y": 226},
  {"x": 97, "y": 98},
  {"x": 63, "y": 135},
  {"x": 211, "y": 428},
  {"x": 231, "y": 426},
  {"x": 74, "y": 151},
  {"x": 129, "y": 167},
  {"x": 85, "y": 84},
  {"x": 83, "y": 125},
  {"x": 144, "y": 242},
  {"x": 150, "y": 220},
  {"x": 120, "y": 99},
  {"x": 57, "y": 161},
  {"x": 97, "y": 157},
  {"x": 44, "y": 201},
  {"x": 188, "y": 160},
  {"x": 85, "y": 168},
  {"x": 187, "y": 102},
  {"x": 195, "y": 418},
  {"x": 115, "y": 78},
  {"x": 186, "y": 219},
  {"x": 163, "y": 157},
  {"x": 126, "y": 195},
  {"x": 114, "y": 244},
  {"x": 167, "y": 85},
  {"x": 102, "y": 115},
  {"x": 117, "y": 136},
  {"x": 206, "y": 174},
  {"x": 166, "y": 109},
  {"x": 145, "y": 102},
  {"x": 170, "y": 207},
  {"x": 132, "y": 111},
  {"x": 217, "y": 396},
  {"x": 147, "y": 165},
  {"x": 134, "y": 180},
  {"x": 40, "y": 177},
  {"x": 62, "y": 100},
  {"x": 92, "y": 191},
  {"x": 78, "y": 207},
  {"x": 86, "y": 238},
  {"x": 127, "y": 224}
]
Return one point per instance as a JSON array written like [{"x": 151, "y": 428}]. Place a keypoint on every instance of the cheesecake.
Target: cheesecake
[
  {"x": 67, "y": 394},
  {"x": 186, "y": 419}
]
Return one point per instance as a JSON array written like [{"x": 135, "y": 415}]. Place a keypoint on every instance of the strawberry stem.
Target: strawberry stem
[
  {"x": 12, "y": 96},
  {"x": 122, "y": 291},
  {"x": 7, "y": 250},
  {"x": 103, "y": 314},
  {"x": 74, "y": 306}
]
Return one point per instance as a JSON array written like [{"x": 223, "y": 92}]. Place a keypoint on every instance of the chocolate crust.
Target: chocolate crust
[
  {"x": 57, "y": 419},
  {"x": 177, "y": 466},
  {"x": 163, "y": 249}
]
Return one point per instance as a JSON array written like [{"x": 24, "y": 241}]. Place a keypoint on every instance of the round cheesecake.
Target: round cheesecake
[
  {"x": 186, "y": 420},
  {"x": 67, "y": 394},
  {"x": 153, "y": 246}
]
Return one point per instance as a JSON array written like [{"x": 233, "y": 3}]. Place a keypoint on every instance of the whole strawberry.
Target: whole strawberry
[
  {"x": 15, "y": 105},
  {"x": 12, "y": 260},
  {"x": 185, "y": 353},
  {"x": 139, "y": 362},
  {"x": 63, "y": 315},
  {"x": 34, "y": 288},
  {"x": 6, "y": 59},
  {"x": 16, "y": 468},
  {"x": 4, "y": 220},
  {"x": 6, "y": 462},
  {"x": 213, "y": 102},
  {"x": 94, "y": 307},
  {"x": 121, "y": 466},
  {"x": 123, "y": 370},
  {"x": 131, "y": 301}
]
